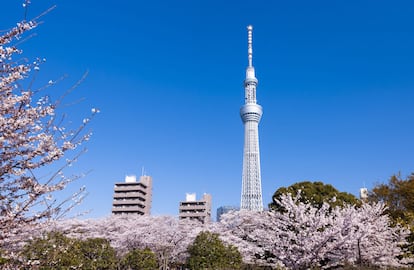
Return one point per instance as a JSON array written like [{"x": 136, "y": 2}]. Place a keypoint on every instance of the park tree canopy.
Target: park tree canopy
[
  {"x": 316, "y": 193},
  {"x": 56, "y": 251},
  {"x": 398, "y": 195},
  {"x": 209, "y": 252}
]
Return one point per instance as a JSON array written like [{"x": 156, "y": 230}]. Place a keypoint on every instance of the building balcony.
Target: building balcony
[
  {"x": 129, "y": 202},
  {"x": 193, "y": 207},
  {"x": 128, "y": 209},
  {"x": 129, "y": 195},
  {"x": 130, "y": 189},
  {"x": 203, "y": 212}
]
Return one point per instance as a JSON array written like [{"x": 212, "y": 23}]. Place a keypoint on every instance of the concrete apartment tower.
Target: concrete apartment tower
[
  {"x": 193, "y": 209},
  {"x": 132, "y": 197},
  {"x": 251, "y": 113}
]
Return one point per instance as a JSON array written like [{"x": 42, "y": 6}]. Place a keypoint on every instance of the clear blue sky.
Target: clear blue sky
[{"x": 336, "y": 82}]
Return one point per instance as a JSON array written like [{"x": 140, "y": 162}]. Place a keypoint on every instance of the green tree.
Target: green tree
[
  {"x": 138, "y": 259},
  {"x": 209, "y": 252},
  {"x": 398, "y": 195},
  {"x": 3, "y": 260},
  {"x": 53, "y": 251},
  {"x": 316, "y": 193},
  {"x": 97, "y": 253},
  {"x": 56, "y": 251}
]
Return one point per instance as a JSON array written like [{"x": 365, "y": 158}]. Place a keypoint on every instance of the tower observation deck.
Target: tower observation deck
[{"x": 251, "y": 113}]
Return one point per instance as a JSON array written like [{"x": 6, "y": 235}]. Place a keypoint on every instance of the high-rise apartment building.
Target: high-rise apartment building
[
  {"x": 132, "y": 196},
  {"x": 251, "y": 113},
  {"x": 193, "y": 209}
]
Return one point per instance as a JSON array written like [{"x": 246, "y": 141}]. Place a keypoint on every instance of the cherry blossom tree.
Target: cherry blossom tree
[
  {"x": 32, "y": 137},
  {"x": 304, "y": 236},
  {"x": 240, "y": 229},
  {"x": 166, "y": 236}
]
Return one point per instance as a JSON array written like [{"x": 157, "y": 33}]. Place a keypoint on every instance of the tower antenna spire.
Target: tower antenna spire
[{"x": 250, "y": 44}]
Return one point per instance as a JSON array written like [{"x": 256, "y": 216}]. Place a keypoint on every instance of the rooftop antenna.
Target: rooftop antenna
[
  {"x": 250, "y": 44},
  {"x": 142, "y": 171}
]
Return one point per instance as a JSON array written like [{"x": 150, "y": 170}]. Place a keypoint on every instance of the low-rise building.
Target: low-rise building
[
  {"x": 132, "y": 196},
  {"x": 196, "y": 210}
]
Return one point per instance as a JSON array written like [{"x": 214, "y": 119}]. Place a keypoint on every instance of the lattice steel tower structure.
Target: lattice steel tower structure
[{"x": 251, "y": 112}]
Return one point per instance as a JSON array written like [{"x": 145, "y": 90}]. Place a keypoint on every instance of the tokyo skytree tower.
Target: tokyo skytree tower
[{"x": 251, "y": 112}]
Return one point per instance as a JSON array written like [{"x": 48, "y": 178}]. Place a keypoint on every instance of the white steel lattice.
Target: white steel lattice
[{"x": 251, "y": 113}]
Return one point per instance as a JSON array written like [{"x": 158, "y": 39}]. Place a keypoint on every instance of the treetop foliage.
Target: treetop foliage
[
  {"x": 208, "y": 252},
  {"x": 398, "y": 195},
  {"x": 142, "y": 259},
  {"x": 315, "y": 193},
  {"x": 56, "y": 251}
]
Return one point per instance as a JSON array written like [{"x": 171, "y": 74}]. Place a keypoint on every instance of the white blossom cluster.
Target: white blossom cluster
[
  {"x": 302, "y": 237},
  {"x": 31, "y": 137},
  {"x": 166, "y": 236}
]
